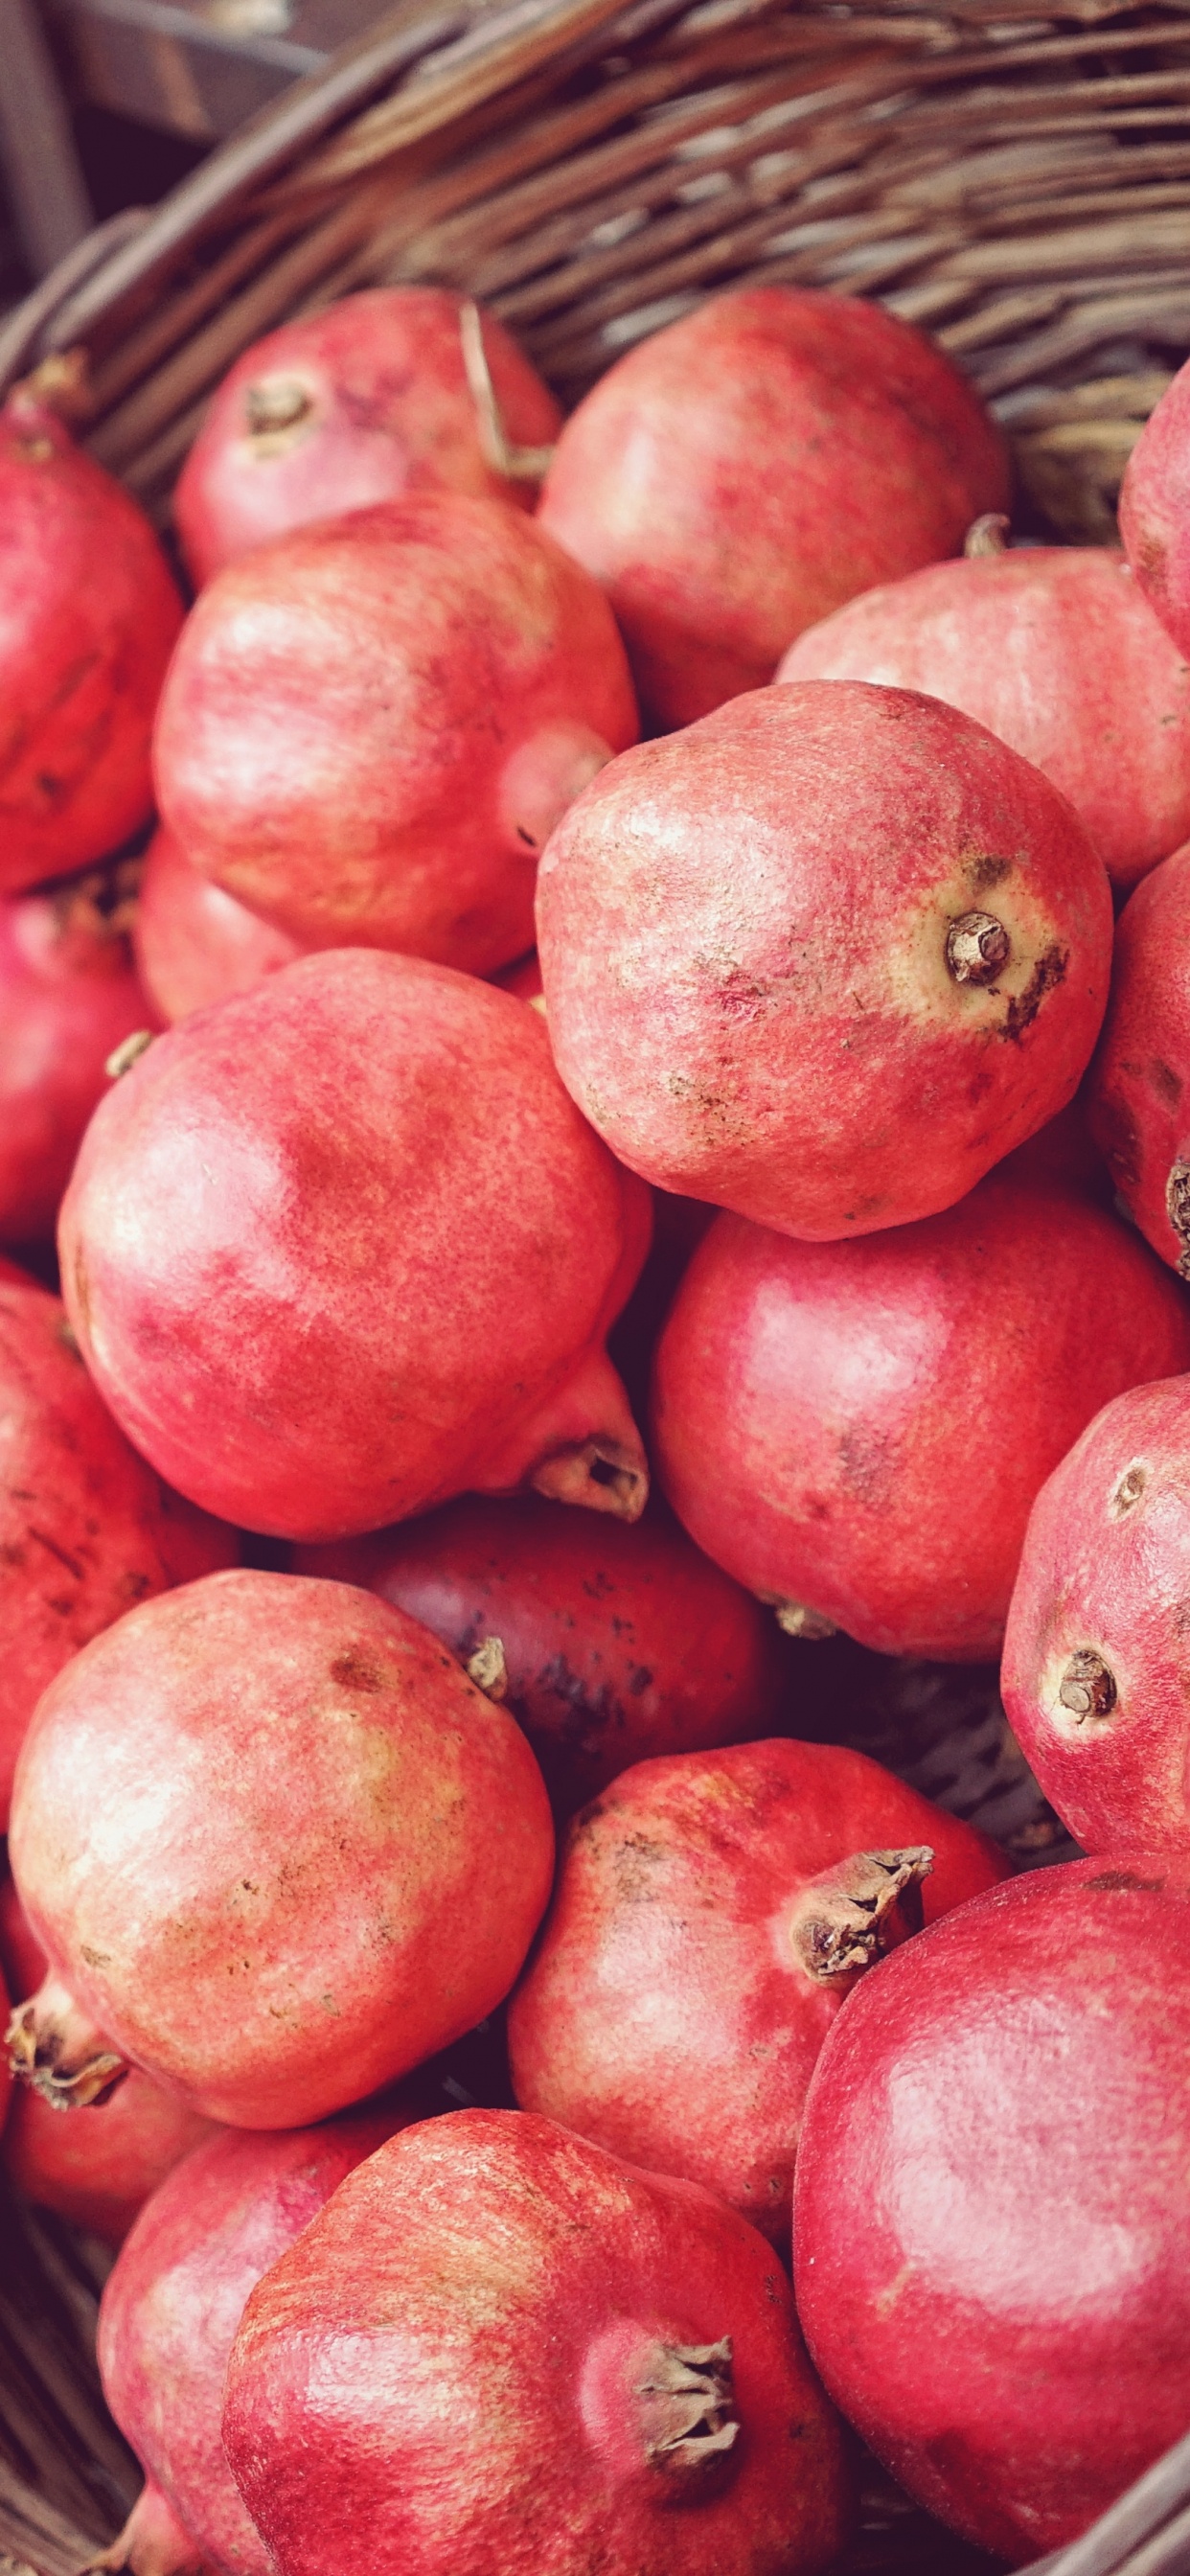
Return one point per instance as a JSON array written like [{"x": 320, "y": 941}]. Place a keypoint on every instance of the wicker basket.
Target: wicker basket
[{"x": 1015, "y": 179}]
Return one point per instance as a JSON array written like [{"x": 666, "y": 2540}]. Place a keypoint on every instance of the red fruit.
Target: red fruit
[
  {"x": 69, "y": 995},
  {"x": 618, "y": 1642},
  {"x": 990, "y": 2242},
  {"x": 290, "y": 1786},
  {"x": 748, "y": 469},
  {"x": 88, "y": 619},
  {"x": 712, "y": 1913},
  {"x": 523, "y": 979},
  {"x": 1155, "y": 509},
  {"x": 86, "y": 1528},
  {"x": 869, "y": 944},
  {"x": 1140, "y": 1073},
  {"x": 859, "y": 1430},
  {"x": 1096, "y": 1675},
  {"x": 348, "y": 407},
  {"x": 194, "y": 943},
  {"x": 97, "y": 2173},
  {"x": 168, "y": 2320},
  {"x": 1054, "y": 650},
  {"x": 343, "y": 1248},
  {"x": 478, "y": 683},
  {"x": 498, "y": 2349}
]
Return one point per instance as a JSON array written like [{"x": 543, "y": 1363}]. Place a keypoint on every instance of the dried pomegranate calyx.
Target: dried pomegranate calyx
[
  {"x": 851, "y": 1914},
  {"x": 687, "y": 2406},
  {"x": 54, "y": 2046},
  {"x": 603, "y": 1474}
]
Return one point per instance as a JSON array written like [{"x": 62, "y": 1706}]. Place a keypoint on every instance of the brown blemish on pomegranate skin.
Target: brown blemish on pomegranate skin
[
  {"x": 1023, "y": 1008},
  {"x": 353, "y": 1672}
]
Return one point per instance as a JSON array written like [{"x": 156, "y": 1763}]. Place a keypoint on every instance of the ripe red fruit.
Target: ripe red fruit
[
  {"x": 1096, "y": 1674},
  {"x": 711, "y": 1915},
  {"x": 343, "y": 1248},
  {"x": 348, "y": 407},
  {"x": 617, "y": 1642},
  {"x": 860, "y": 1429},
  {"x": 168, "y": 2320},
  {"x": 745, "y": 471},
  {"x": 1155, "y": 509},
  {"x": 478, "y": 683},
  {"x": 500, "y": 2349},
  {"x": 88, "y": 619},
  {"x": 356, "y": 1841},
  {"x": 869, "y": 944},
  {"x": 990, "y": 2242},
  {"x": 86, "y": 1528},
  {"x": 97, "y": 2173},
  {"x": 1138, "y": 1079},
  {"x": 69, "y": 994},
  {"x": 194, "y": 943},
  {"x": 1053, "y": 649}
]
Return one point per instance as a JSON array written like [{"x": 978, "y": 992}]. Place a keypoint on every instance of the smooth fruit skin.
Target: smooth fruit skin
[
  {"x": 744, "y": 934},
  {"x": 348, "y": 407},
  {"x": 88, "y": 619},
  {"x": 1155, "y": 509},
  {"x": 168, "y": 2320},
  {"x": 754, "y": 465},
  {"x": 96, "y": 2173},
  {"x": 668, "y": 2012},
  {"x": 86, "y": 1528},
  {"x": 619, "y": 1643},
  {"x": 343, "y": 1247},
  {"x": 862, "y": 1428},
  {"x": 195, "y": 944},
  {"x": 371, "y": 726},
  {"x": 276, "y": 1846},
  {"x": 69, "y": 995},
  {"x": 1137, "y": 1085},
  {"x": 476, "y": 2356},
  {"x": 1096, "y": 1671},
  {"x": 990, "y": 2244},
  {"x": 1054, "y": 649}
]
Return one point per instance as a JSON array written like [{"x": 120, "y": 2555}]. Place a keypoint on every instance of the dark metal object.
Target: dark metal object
[{"x": 45, "y": 186}]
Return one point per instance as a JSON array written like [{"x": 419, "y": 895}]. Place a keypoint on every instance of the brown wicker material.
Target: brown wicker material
[{"x": 1018, "y": 182}]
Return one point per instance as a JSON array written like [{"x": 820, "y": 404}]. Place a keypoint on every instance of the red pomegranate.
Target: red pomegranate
[
  {"x": 352, "y": 406},
  {"x": 870, "y": 946},
  {"x": 523, "y": 979},
  {"x": 343, "y": 1248},
  {"x": 88, "y": 619},
  {"x": 69, "y": 995},
  {"x": 277, "y": 1848},
  {"x": 97, "y": 2173},
  {"x": 1140, "y": 1073},
  {"x": 617, "y": 1642},
  {"x": 1096, "y": 1674},
  {"x": 712, "y": 1913},
  {"x": 1053, "y": 649},
  {"x": 990, "y": 2243},
  {"x": 499, "y": 2349},
  {"x": 1155, "y": 510},
  {"x": 86, "y": 1528},
  {"x": 859, "y": 1429},
  {"x": 479, "y": 682},
  {"x": 194, "y": 943},
  {"x": 168, "y": 2321},
  {"x": 750, "y": 468}
]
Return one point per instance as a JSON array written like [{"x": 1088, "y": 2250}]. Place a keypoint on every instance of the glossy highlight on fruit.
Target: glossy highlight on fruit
[
  {"x": 250, "y": 1820},
  {"x": 741, "y": 473},
  {"x": 478, "y": 683},
  {"x": 869, "y": 944},
  {"x": 501, "y": 2349},
  {"x": 712, "y": 1914},
  {"x": 990, "y": 2251},
  {"x": 860, "y": 1429},
  {"x": 343, "y": 1248}
]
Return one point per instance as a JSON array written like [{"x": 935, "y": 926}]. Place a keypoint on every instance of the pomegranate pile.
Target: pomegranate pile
[{"x": 579, "y": 1121}]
